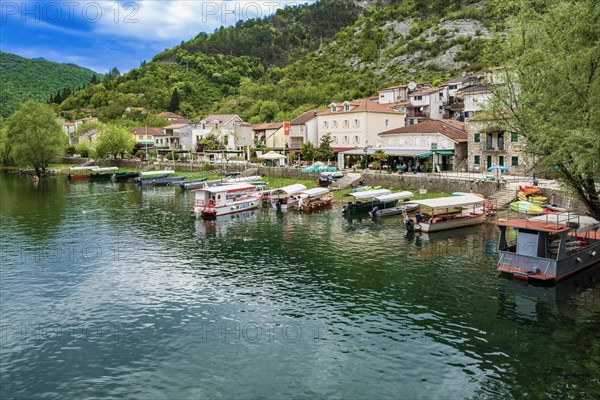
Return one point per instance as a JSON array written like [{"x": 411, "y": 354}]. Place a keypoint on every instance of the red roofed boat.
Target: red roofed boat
[{"x": 548, "y": 248}]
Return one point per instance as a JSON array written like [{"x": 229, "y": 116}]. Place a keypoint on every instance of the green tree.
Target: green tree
[
  {"x": 84, "y": 148},
  {"x": 308, "y": 151},
  {"x": 380, "y": 157},
  {"x": 550, "y": 96},
  {"x": 34, "y": 137},
  {"x": 325, "y": 152},
  {"x": 5, "y": 155},
  {"x": 174, "y": 104},
  {"x": 113, "y": 140}
]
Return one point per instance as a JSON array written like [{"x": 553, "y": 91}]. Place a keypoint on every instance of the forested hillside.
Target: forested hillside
[
  {"x": 306, "y": 56},
  {"x": 22, "y": 79}
]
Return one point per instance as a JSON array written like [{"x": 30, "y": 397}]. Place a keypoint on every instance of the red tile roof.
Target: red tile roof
[
  {"x": 168, "y": 114},
  {"x": 362, "y": 105},
  {"x": 142, "y": 130},
  {"x": 304, "y": 118},
  {"x": 176, "y": 125},
  {"x": 434, "y": 126},
  {"x": 268, "y": 126},
  {"x": 222, "y": 118}
]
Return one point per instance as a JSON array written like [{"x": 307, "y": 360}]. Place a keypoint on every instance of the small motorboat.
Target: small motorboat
[
  {"x": 192, "y": 184},
  {"x": 125, "y": 176},
  {"x": 398, "y": 210}
]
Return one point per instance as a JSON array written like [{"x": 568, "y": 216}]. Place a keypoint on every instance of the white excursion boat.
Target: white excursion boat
[
  {"x": 285, "y": 198},
  {"x": 447, "y": 213},
  {"x": 228, "y": 199}
]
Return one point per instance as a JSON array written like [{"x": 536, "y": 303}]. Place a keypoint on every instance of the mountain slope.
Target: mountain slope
[
  {"x": 22, "y": 79},
  {"x": 306, "y": 56}
]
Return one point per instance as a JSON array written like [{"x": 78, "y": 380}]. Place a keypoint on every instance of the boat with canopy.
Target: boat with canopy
[{"x": 447, "y": 213}]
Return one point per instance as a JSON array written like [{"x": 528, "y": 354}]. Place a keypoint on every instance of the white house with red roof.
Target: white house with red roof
[
  {"x": 304, "y": 129},
  {"x": 356, "y": 124}
]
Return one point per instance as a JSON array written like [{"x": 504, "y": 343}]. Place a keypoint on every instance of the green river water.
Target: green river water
[{"x": 113, "y": 291}]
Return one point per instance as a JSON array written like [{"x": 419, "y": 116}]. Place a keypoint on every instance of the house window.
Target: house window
[
  {"x": 335, "y": 139},
  {"x": 356, "y": 140},
  {"x": 514, "y": 161},
  {"x": 148, "y": 137},
  {"x": 514, "y": 137},
  {"x": 418, "y": 98},
  {"x": 356, "y": 123},
  {"x": 477, "y": 160},
  {"x": 345, "y": 139},
  {"x": 387, "y": 122},
  {"x": 346, "y": 107},
  {"x": 325, "y": 124},
  {"x": 346, "y": 124},
  {"x": 333, "y": 108},
  {"x": 390, "y": 142},
  {"x": 477, "y": 138},
  {"x": 335, "y": 124}
]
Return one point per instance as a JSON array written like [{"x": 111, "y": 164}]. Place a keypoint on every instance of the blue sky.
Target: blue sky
[{"x": 101, "y": 34}]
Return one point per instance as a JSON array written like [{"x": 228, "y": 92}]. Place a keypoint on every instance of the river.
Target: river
[{"x": 113, "y": 291}]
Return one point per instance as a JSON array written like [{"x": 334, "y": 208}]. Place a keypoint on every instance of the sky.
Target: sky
[{"x": 101, "y": 34}]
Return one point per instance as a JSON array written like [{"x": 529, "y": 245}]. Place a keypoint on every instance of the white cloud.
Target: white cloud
[{"x": 176, "y": 20}]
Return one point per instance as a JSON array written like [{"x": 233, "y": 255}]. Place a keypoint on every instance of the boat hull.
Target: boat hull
[
  {"x": 78, "y": 177},
  {"x": 233, "y": 208},
  {"x": 547, "y": 270},
  {"x": 451, "y": 224},
  {"x": 315, "y": 205},
  {"x": 159, "y": 181},
  {"x": 398, "y": 210},
  {"x": 125, "y": 176},
  {"x": 366, "y": 207},
  {"x": 100, "y": 177}
]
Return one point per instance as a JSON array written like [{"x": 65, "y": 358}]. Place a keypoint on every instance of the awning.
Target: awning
[
  {"x": 424, "y": 155},
  {"x": 444, "y": 152}
]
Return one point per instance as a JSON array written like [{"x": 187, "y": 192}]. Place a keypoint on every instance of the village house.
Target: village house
[
  {"x": 145, "y": 135},
  {"x": 304, "y": 129},
  {"x": 230, "y": 129},
  {"x": 454, "y": 106},
  {"x": 264, "y": 134},
  {"x": 489, "y": 144},
  {"x": 71, "y": 127},
  {"x": 179, "y": 136},
  {"x": 427, "y": 103},
  {"x": 354, "y": 124},
  {"x": 440, "y": 144}
]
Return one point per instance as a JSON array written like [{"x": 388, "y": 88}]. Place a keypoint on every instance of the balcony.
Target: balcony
[{"x": 493, "y": 149}]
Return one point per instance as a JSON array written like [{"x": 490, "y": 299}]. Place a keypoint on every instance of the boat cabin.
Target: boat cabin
[
  {"x": 548, "y": 247},
  {"x": 221, "y": 196}
]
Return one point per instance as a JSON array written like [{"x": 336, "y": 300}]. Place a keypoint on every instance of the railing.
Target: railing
[{"x": 415, "y": 114}]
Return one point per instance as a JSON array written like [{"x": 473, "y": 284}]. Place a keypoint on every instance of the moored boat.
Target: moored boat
[
  {"x": 167, "y": 181},
  {"x": 125, "y": 176},
  {"x": 314, "y": 199},
  {"x": 548, "y": 248},
  {"x": 150, "y": 177},
  {"x": 228, "y": 199},
  {"x": 193, "y": 184},
  {"x": 285, "y": 198},
  {"x": 396, "y": 210},
  {"x": 447, "y": 213},
  {"x": 364, "y": 201},
  {"x": 80, "y": 173},
  {"x": 102, "y": 174}
]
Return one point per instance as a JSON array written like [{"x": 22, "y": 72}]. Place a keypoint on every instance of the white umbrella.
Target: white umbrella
[{"x": 271, "y": 156}]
